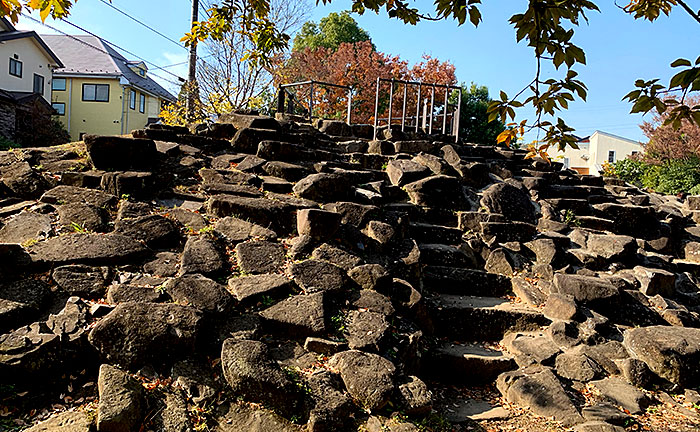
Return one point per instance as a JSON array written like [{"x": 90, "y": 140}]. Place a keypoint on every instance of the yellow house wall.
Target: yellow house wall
[
  {"x": 102, "y": 118},
  {"x": 133, "y": 118},
  {"x": 34, "y": 61}
]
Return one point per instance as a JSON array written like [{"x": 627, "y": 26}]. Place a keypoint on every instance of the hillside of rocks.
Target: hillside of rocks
[{"x": 266, "y": 275}]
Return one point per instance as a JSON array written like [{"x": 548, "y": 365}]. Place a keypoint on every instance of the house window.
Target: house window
[
  {"x": 58, "y": 84},
  {"x": 142, "y": 102},
  {"x": 38, "y": 84},
  {"x": 611, "y": 156},
  {"x": 96, "y": 92},
  {"x": 142, "y": 72},
  {"x": 16, "y": 68},
  {"x": 59, "y": 107},
  {"x": 132, "y": 99},
  {"x": 566, "y": 163}
]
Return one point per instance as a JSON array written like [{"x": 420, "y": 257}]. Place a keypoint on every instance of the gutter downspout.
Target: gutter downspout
[
  {"x": 70, "y": 102},
  {"x": 124, "y": 118}
]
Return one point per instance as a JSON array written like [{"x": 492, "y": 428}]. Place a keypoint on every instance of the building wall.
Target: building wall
[
  {"x": 601, "y": 144},
  {"x": 33, "y": 62},
  {"x": 85, "y": 117},
  {"x": 594, "y": 154},
  {"x": 134, "y": 118},
  {"x": 104, "y": 118}
]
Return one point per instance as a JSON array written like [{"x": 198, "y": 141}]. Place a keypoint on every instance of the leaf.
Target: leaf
[
  {"x": 44, "y": 13},
  {"x": 681, "y": 62}
]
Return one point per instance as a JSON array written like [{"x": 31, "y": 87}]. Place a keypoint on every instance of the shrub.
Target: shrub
[
  {"x": 674, "y": 176},
  {"x": 631, "y": 170},
  {"x": 6, "y": 144}
]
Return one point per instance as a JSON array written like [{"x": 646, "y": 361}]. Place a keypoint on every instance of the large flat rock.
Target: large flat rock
[
  {"x": 87, "y": 249},
  {"x": 671, "y": 352}
]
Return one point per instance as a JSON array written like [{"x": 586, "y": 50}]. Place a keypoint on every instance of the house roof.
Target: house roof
[
  {"x": 8, "y": 33},
  {"x": 617, "y": 137},
  {"x": 90, "y": 55},
  {"x": 21, "y": 98}
]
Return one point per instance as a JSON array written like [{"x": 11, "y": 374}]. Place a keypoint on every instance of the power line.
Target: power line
[
  {"x": 102, "y": 50},
  {"x": 123, "y": 49},
  {"x": 143, "y": 24}
]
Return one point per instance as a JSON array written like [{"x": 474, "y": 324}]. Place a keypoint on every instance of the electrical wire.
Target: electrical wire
[
  {"x": 123, "y": 49},
  {"x": 144, "y": 24},
  {"x": 104, "y": 51}
]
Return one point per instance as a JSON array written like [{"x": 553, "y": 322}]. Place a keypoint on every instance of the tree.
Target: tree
[
  {"x": 227, "y": 79},
  {"x": 358, "y": 65},
  {"x": 334, "y": 29},
  {"x": 547, "y": 26},
  {"x": 667, "y": 143},
  {"x": 474, "y": 125}
]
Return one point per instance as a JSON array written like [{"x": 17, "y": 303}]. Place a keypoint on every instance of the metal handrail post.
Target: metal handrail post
[
  {"x": 376, "y": 110},
  {"x": 280, "y": 100},
  {"x": 349, "y": 104},
  {"x": 311, "y": 101},
  {"x": 418, "y": 109},
  {"x": 403, "y": 109},
  {"x": 444, "y": 115},
  {"x": 459, "y": 115},
  {"x": 432, "y": 109},
  {"x": 391, "y": 100}
]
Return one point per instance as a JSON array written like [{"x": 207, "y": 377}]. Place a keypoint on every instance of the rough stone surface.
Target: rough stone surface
[
  {"x": 670, "y": 352},
  {"x": 368, "y": 377},
  {"x": 314, "y": 275},
  {"x": 510, "y": 201},
  {"x": 87, "y": 249},
  {"x": 121, "y": 400},
  {"x": 299, "y": 315},
  {"x": 252, "y": 374},
  {"x": 199, "y": 292},
  {"x": 26, "y": 226},
  {"x": 250, "y": 288},
  {"x": 134, "y": 334},
  {"x": 540, "y": 390},
  {"x": 202, "y": 255},
  {"x": 81, "y": 280},
  {"x": 260, "y": 257}
]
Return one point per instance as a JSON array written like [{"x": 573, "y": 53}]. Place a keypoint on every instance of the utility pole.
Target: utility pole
[{"x": 191, "y": 77}]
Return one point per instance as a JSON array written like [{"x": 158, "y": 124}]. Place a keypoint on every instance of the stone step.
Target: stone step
[
  {"x": 445, "y": 255},
  {"x": 466, "y": 363},
  {"x": 468, "y": 318},
  {"x": 462, "y": 281},
  {"x": 428, "y": 233},
  {"x": 571, "y": 191},
  {"x": 421, "y": 214}
]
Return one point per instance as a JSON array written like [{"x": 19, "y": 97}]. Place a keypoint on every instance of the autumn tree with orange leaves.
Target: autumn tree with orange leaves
[{"x": 358, "y": 65}]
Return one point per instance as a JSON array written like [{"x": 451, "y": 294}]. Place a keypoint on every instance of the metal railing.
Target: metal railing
[
  {"x": 283, "y": 91},
  {"x": 428, "y": 114}
]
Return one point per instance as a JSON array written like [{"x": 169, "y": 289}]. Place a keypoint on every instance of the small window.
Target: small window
[
  {"x": 142, "y": 102},
  {"x": 566, "y": 163},
  {"x": 611, "y": 156},
  {"x": 59, "y": 107},
  {"x": 142, "y": 72},
  {"x": 58, "y": 84},
  {"x": 16, "y": 68},
  {"x": 38, "y": 84},
  {"x": 132, "y": 99},
  {"x": 96, "y": 92},
  {"x": 635, "y": 153}
]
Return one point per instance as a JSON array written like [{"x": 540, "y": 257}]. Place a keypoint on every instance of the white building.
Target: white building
[
  {"x": 26, "y": 62},
  {"x": 595, "y": 150}
]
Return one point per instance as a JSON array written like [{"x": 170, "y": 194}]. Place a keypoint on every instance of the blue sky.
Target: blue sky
[{"x": 619, "y": 49}]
